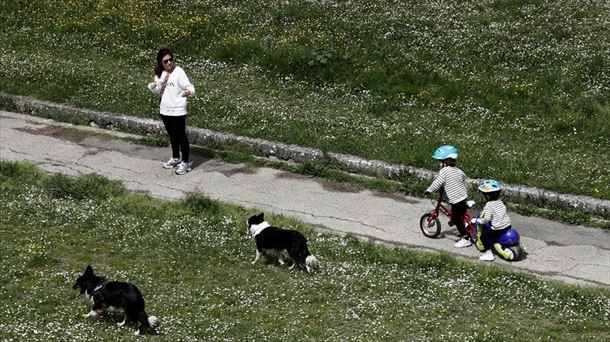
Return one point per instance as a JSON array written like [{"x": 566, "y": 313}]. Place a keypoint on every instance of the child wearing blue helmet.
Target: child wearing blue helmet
[
  {"x": 493, "y": 221},
  {"x": 454, "y": 183}
]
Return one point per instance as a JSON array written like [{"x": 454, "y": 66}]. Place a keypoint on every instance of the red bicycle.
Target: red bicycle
[{"x": 430, "y": 224}]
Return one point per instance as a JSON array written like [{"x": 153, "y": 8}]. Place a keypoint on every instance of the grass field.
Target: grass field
[
  {"x": 522, "y": 88},
  {"x": 191, "y": 259}
]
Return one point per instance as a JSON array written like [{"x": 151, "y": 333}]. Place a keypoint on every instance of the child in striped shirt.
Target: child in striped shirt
[
  {"x": 493, "y": 221},
  {"x": 453, "y": 182}
]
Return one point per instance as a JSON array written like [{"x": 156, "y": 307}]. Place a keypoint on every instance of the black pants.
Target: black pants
[
  {"x": 489, "y": 236},
  {"x": 457, "y": 216},
  {"x": 176, "y": 129}
]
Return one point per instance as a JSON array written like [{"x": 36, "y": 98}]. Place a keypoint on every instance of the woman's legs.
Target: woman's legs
[
  {"x": 170, "y": 127},
  {"x": 176, "y": 130},
  {"x": 182, "y": 138}
]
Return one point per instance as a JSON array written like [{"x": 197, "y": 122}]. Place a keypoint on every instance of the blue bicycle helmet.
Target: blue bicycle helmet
[
  {"x": 489, "y": 185},
  {"x": 444, "y": 152}
]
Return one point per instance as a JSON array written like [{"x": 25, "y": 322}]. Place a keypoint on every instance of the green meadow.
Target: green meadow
[
  {"x": 191, "y": 260},
  {"x": 521, "y": 87}
]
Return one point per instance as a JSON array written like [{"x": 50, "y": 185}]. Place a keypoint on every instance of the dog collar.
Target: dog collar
[{"x": 255, "y": 229}]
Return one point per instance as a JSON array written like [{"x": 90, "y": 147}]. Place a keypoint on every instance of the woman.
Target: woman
[{"x": 173, "y": 87}]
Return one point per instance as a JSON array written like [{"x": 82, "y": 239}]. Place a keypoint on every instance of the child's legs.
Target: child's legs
[
  {"x": 490, "y": 236},
  {"x": 457, "y": 217}
]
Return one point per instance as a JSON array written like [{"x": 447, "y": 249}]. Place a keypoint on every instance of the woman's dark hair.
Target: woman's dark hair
[{"x": 159, "y": 66}]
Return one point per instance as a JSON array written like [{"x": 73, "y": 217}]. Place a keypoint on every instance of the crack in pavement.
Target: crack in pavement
[
  {"x": 317, "y": 216},
  {"x": 58, "y": 163},
  {"x": 533, "y": 250}
]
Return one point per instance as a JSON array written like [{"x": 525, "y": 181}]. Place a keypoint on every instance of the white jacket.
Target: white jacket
[{"x": 172, "y": 101}]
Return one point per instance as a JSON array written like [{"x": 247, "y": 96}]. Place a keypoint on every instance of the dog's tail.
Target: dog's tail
[
  {"x": 149, "y": 322},
  {"x": 153, "y": 321},
  {"x": 311, "y": 263}
]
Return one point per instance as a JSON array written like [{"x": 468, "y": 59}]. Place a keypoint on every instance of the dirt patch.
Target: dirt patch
[
  {"x": 326, "y": 184},
  {"x": 342, "y": 187},
  {"x": 554, "y": 243},
  {"x": 63, "y": 133},
  {"x": 338, "y": 187},
  {"x": 290, "y": 175},
  {"x": 244, "y": 169},
  {"x": 394, "y": 196}
]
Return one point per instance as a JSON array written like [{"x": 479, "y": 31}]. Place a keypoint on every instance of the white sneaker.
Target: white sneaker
[
  {"x": 462, "y": 243},
  {"x": 184, "y": 168},
  {"x": 172, "y": 163},
  {"x": 488, "y": 256}
]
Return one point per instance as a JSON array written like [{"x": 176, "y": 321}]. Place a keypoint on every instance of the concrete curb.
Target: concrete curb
[{"x": 349, "y": 163}]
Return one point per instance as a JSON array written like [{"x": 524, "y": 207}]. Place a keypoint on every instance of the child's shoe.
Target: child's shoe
[
  {"x": 463, "y": 242},
  {"x": 488, "y": 256}
]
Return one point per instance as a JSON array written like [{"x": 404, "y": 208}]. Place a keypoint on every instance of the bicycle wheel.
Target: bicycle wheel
[
  {"x": 431, "y": 227},
  {"x": 518, "y": 252}
]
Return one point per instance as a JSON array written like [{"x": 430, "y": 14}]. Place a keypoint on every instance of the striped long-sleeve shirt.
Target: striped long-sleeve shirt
[
  {"x": 495, "y": 212},
  {"x": 453, "y": 181}
]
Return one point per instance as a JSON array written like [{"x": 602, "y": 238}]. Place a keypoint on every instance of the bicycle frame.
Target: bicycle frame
[{"x": 440, "y": 208}]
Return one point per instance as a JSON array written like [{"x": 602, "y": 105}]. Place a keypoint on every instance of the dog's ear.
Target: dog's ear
[
  {"x": 262, "y": 216},
  {"x": 89, "y": 270}
]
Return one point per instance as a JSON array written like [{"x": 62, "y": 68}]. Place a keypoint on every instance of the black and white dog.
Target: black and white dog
[
  {"x": 106, "y": 295},
  {"x": 273, "y": 240}
]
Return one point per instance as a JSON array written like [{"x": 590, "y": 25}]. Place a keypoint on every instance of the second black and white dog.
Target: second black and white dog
[
  {"x": 273, "y": 240},
  {"x": 106, "y": 295}
]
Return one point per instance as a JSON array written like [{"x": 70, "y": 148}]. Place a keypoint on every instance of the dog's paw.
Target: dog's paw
[{"x": 90, "y": 314}]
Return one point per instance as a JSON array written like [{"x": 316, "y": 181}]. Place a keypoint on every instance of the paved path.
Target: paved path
[{"x": 572, "y": 254}]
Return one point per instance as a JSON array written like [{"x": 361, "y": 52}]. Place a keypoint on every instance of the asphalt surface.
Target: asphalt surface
[{"x": 571, "y": 254}]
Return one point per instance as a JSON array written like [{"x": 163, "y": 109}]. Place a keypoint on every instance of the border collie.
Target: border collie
[
  {"x": 107, "y": 295},
  {"x": 273, "y": 240}
]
